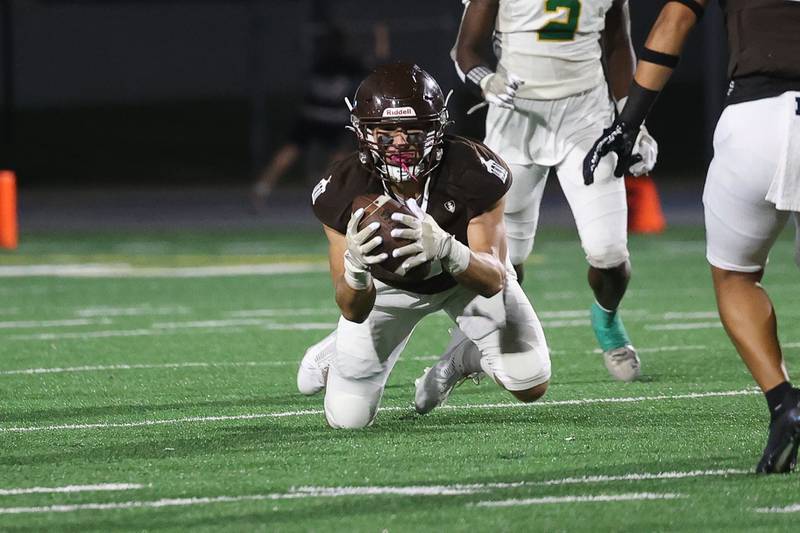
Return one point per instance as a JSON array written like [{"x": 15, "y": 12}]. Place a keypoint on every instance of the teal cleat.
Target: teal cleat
[{"x": 619, "y": 354}]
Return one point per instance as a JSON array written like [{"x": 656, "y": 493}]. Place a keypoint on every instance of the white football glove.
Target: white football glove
[
  {"x": 430, "y": 242},
  {"x": 645, "y": 146},
  {"x": 499, "y": 89},
  {"x": 356, "y": 258}
]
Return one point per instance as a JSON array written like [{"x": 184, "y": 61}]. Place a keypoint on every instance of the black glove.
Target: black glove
[{"x": 620, "y": 139}]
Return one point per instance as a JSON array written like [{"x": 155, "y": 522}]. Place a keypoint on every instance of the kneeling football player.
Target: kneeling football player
[{"x": 454, "y": 187}]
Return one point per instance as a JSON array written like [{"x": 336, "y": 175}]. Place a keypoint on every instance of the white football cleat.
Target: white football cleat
[
  {"x": 437, "y": 382},
  {"x": 623, "y": 363},
  {"x": 313, "y": 372}
]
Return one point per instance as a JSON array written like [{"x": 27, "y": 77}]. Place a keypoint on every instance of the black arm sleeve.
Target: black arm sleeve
[{"x": 640, "y": 101}]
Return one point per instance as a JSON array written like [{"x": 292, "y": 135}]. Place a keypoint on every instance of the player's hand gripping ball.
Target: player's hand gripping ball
[{"x": 379, "y": 208}]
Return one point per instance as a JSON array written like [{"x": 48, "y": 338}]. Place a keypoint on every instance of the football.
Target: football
[{"x": 379, "y": 208}]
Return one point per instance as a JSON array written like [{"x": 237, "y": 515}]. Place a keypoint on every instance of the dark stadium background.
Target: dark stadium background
[{"x": 133, "y": 96}]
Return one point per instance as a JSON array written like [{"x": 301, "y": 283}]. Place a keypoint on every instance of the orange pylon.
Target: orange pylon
[
  {"x": 8, "y": 209},
  {"x": 644, "y": 207}
]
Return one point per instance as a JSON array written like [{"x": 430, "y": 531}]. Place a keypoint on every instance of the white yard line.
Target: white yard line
[
  {"x": 647, "y": 476},
  {"x": 307, "y": 412},
  {"x": 408, "y": 490},
  {"x": 794, "y": 508},
  {"x": 581, "y": 499},
  {"x": 582, "y": 480},
  {"x": 184, "y": 502},
  {"x": 676, "y": 348},
  {"x": 552, "y": 324},
  {"x": 26, "y": 324},
  {"x": 125, "y": 366},
  {"x": 676, "y": 315},
  {"x": 144, "y": 310},
  {"x": 206, "y": 324},
  {"x": 154, "y": 504},
  {"x": 87, "y": 335},
  {"x": 273, "y": 312},
  {"x": 128, "y": 271},
  {"x": 657, "y": 349},
  {"x": 302, "y": 326},
  {"x": 683, "y": 326},
  {"x": 84, "y": 335},
  {"x": 420, "y": 490},
  {"x": 239, "y": 322},
  {"x": 102, "y": 487},
  {"x": 101, "y": 368},
  {"x": 144, "y": 366},
  {"x": 570, "y": 313}
]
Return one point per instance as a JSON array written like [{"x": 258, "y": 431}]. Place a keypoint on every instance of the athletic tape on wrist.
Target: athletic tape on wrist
[
  {"x": 659, "y": 58},
  {"x": 694, "y": 6},
  {"x": 473, "y": 78},
  {"x": 357, "y": 281},
  {"x": 356, "y": 278},
  {"x": 457, "y": 260}
]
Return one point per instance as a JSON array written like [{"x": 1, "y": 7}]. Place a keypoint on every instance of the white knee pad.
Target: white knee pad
[
  {"x": 349, "y": 411},
  {"x": 606, "y": 255},
  {"x": 351, "y": 403},
  {"x": 520, "y": 237},
  {"x": 518, "y": 371}
]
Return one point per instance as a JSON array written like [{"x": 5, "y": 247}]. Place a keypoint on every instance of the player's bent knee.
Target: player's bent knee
[
  {"x": 608, "y": 256},
  {"x": 349, "y": 411},
  {"x": 523, "y": 374},
  {"x": 520, "y": 234},
  {"x": 532, "y": 394},
  {"x": 519, "y": 249},
  {"x": 722, "y": 277}
]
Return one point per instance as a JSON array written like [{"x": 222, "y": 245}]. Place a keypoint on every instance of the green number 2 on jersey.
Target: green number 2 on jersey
[{"x": 564, "y": 28}]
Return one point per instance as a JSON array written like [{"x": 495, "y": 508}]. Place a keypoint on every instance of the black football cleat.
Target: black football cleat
[{"x": 780, "y": 454}]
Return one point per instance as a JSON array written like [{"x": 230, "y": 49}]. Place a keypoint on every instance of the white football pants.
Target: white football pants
[
  {"x": 749, "y": 154},
  {"x": 505, "y": 329},
  {"x": 542, "y": 134}
]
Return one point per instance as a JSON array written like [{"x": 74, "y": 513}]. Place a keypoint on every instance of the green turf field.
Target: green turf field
[{"x": 146, "y": 383}]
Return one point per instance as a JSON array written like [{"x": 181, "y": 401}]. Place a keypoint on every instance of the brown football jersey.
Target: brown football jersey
[
  {"x": 764, "y": 45},
  {"x": 469, "y": 180}
]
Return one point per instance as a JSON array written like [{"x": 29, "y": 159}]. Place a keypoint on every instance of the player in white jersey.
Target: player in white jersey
[{"x": 548, "y": 100}]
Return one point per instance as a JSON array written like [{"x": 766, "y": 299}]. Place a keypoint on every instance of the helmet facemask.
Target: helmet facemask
[{"x": 401, "y": 151}]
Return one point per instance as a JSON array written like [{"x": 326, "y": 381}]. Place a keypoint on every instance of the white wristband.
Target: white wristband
[
  {"x": 457, "y": 260},
  {"x": 356, "y": 278}
]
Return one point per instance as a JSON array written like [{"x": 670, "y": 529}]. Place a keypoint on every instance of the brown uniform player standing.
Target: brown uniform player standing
[
  {"x": 753, "y": 183},
  {"x": 455, "y": 187}
]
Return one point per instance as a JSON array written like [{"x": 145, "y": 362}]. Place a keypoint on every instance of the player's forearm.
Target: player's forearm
[
  {"x": 620, "y": 58},
  {"x": 484, "y": 275},
  {"x": 667, "y": 36},
  {"x": 475, "y": 32},
  {"x": 355, "y": 305},
  {"x": 659, "y": 58},
  {"x": 621, "y": 65}
]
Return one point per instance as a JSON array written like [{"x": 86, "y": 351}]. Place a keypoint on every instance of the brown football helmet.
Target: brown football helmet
[{"x": 399, "y": 96}]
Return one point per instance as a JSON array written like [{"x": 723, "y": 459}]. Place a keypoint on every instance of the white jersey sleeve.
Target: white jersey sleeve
[{"x": 553, "y": 45}]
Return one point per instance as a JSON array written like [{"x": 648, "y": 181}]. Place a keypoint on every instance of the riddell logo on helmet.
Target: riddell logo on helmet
[{"x": 399, "y": 112}]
